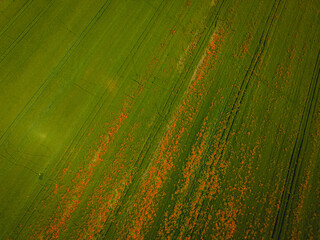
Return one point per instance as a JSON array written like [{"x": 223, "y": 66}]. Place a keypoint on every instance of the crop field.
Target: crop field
[{"x": 158, "y": 119}]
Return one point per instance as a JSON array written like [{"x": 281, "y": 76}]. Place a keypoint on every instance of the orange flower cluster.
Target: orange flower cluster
[
  {"x": 171, "y": 146},
  {"x": 107, "y": 195},
  {"x": 72, "y": 197},
  {"x": 198, "y": 89}
]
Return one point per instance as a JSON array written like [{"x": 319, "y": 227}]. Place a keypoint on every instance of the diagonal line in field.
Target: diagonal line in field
[
  {"x": 295, "y": 161},
  {"x": 57, "y": 68}
]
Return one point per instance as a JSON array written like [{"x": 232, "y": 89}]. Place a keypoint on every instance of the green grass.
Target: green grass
[{"x": 159, "y": 119}]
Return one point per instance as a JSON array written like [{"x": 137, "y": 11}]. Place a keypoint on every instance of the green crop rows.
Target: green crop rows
[{"x": 159, "y": 119}]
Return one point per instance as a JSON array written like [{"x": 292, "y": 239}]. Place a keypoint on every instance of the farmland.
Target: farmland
[{"x": 156, "y": 119}]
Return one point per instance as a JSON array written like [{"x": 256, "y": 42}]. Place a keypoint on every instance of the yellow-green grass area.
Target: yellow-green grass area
[{"x": 153, "y": 119}]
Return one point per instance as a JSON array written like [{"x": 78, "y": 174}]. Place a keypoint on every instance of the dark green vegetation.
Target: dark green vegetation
[{"x": 159, "y": 119}]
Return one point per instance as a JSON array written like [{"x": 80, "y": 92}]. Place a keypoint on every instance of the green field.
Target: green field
[{"x": 158, "y": 119}]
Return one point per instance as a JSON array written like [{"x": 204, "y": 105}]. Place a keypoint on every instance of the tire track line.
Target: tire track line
[
  {"x": 24, "y": 33},
  {"x": 55, "y": 70},
  {"x": 295, "y": 163},
  {"x": 12, "y": 21},
  {"x": 249, "y": 73},
  {"x": 243, "y": 88}
]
